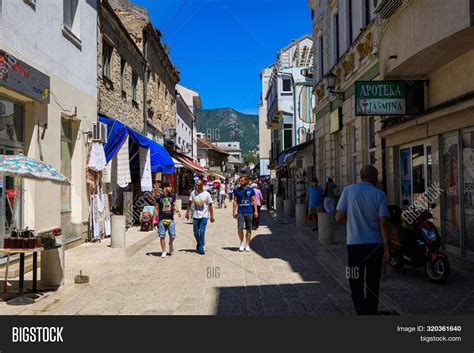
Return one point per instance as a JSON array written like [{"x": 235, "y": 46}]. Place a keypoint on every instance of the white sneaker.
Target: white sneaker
[
  {"x": 163, "y": 254},
  {"x": 247, "y": 248},
  {"x": 242, "y": 247}
]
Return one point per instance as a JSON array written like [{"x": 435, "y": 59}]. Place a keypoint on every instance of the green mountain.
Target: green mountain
[{"x": 227, "y": 124}]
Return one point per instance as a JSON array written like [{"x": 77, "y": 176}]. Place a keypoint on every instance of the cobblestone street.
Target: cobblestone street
[{"x": 287, "y": 272}]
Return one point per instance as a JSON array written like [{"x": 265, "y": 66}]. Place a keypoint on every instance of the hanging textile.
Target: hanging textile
[
  {"x": 107, "y": 173},
  {"x": 107, "y": 228},
  {"x": 94, "y": 218},
  {"x": 97, "y": 160},
  {"x": 145, "y": 170},
  {"x": 123, "y": 165},
  {"x": 160, "y": 159}
]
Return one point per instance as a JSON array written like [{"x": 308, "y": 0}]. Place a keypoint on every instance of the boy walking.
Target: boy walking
[
  {"x": 201, "y": 202},
  {"x": 166, "y": 209},
  {"x": 244, "y": 210}
]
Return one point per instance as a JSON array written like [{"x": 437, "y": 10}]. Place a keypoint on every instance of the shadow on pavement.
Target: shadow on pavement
[
  {"x": 231, "y": 248},
  {"x": 287, "y": 299}
]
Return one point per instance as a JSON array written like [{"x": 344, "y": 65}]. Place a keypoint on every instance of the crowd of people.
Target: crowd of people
[
  {"x": 362, "y": 207},
  {"x": 244, "y": 194}
]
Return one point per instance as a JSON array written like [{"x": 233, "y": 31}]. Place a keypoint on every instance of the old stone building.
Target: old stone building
[
  {"x": 161, "y": 75},
  {"x": 120, "y": 71}
]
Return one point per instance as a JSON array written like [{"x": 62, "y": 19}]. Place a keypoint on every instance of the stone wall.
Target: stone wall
[
  {"x": 112, "y": 100},
  {"x": 162, "y": 76}
]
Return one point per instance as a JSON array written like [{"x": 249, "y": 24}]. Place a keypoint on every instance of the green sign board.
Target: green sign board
[{"x": 380, "y": 98}]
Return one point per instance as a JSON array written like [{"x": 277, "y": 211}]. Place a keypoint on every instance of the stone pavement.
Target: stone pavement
[{"x": 287, "y": 272}]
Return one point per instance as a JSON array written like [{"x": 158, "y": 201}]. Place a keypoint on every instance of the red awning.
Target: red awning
[{"x": 189, "y": 164}]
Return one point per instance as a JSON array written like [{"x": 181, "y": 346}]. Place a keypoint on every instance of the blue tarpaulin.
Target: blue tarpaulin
[{"x": 161, "y": 160}]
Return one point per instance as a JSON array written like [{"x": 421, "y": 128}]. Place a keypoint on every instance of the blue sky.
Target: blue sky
[{"x": 220, "y": 46}]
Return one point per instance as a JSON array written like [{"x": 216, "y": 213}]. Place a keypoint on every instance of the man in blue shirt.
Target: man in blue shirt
[
  {"x": 244, "y": 209},
  {"x": 364, "y": 208},
  {"x": 314, "y": 199}
]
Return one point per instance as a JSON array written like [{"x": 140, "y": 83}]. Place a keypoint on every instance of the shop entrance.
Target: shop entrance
[
  {"x": 11, "y": 143},
  {"x": 11, "y": 190},
  {"x": 416, "y": 173}
]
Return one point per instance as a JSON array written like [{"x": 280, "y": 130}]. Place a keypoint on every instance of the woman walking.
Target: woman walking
[{"x": 258, "y": 199}]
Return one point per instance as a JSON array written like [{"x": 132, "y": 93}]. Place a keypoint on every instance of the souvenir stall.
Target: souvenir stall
[{"x": 134, "y": 160}]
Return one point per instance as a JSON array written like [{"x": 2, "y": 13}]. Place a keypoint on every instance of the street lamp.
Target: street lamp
[{"x": 331, "y": 83}]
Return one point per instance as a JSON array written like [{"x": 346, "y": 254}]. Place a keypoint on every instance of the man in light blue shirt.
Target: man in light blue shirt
[{"x": 364, "y": 208}]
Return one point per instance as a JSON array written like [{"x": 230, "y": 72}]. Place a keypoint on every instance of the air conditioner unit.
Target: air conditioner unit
[{"x": 99, "y": 132}]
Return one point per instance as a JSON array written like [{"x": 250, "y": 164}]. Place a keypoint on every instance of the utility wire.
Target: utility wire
[{"x": 177, "y": 13}]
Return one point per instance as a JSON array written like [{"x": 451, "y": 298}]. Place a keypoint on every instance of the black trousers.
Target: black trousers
[{"x": 365, "y": 267}]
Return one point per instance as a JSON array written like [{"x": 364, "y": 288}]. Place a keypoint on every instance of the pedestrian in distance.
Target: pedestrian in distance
[
  {"x": 244, "y": 210},
  {"x": 329, "y": 201},
  {"x": 363, "y": 207},
  {"x": 259, "y": 201},
  {"x": 314, "y": 199},
  {"x": 222, "y": 195},
  {"x": 231, "y": 191},
  {"x": 201, "y": 202},
  {"x": 166, "y": 204}
]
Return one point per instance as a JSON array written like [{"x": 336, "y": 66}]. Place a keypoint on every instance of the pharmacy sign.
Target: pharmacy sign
[{"x": 380, "y": 98}]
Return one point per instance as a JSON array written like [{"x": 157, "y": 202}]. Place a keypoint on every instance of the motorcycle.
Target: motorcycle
[{"x": 417, "y": 245}]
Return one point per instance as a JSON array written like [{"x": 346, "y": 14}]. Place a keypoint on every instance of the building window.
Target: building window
[
  {"x": 11, "y": 122},
  {"x": 287, "y": 138},
  {"x": 106, "y": 59},
  {"x": 366, "y": 12},
  {"x": 122, "y": 74},
  {"x": 321, "y": 56},
  {"x": 134, "y": 86},
  {"x": 286, "y": 85},
  {"x": 336, "y": 37},
  {"x": 71, "y": 21},
  {"x": 349, "y": 22}
]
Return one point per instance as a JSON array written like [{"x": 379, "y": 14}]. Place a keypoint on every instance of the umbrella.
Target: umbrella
[{"x": 21, "y": 166}]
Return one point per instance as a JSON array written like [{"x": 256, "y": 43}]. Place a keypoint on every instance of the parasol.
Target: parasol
[{"x": 21, "y": 166}]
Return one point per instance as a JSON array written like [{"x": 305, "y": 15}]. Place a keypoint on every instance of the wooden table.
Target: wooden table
[{"x": 21, "y": 299}]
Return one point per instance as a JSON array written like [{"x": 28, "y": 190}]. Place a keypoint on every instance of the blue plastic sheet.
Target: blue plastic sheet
[{"x": 160, "y": 158}]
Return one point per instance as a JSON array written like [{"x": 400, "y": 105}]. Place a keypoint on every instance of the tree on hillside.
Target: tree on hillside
[{"x": 250, "y": 158}]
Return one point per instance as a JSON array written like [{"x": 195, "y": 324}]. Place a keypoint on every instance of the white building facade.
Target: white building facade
[
  {"x": 48, "y": 98},
  {"x": 288, "y": 96},
  {"x": 188, "y": 103}
]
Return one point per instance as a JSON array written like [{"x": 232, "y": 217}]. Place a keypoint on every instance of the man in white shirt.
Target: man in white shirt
[{"x": 201, "y": 201}]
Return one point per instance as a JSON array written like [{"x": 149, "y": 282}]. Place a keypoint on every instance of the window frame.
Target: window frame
[
  {"x": 107, "y": 59},
  {"x": 134, "y": 86}
]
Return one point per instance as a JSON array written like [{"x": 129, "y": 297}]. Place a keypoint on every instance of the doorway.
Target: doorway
[{"x": 11, "y": 206}]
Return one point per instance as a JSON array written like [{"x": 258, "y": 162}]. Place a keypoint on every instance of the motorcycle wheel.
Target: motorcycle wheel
[
  {"x": 395, "y": 262},
  {"x": 438, "y": 270}
]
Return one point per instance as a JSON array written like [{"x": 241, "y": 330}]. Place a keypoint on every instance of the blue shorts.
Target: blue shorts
[{"x": 163, "y": 228}]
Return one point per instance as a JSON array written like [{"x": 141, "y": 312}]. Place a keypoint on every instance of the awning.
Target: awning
[
  {"x": 116, "y": 132},
  {"x": 289, "y": 154},
  {"x": 220, "y": 176},
  {"x": 189, "y": 164},
  {"x": 177, "y": 164}
]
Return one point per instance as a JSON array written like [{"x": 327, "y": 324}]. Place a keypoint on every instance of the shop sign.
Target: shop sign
[
  {"x": 21, "y": 77},
  {"x": 264, "y": 171},
  {"x": 335, "y": 120},
  {"x": 380, "y": 98}
]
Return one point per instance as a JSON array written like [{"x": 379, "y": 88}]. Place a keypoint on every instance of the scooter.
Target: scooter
[{"x": 417, "y": 245}]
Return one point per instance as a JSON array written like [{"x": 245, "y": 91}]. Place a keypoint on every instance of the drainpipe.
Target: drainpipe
[{"x": 145, "y": 82}]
